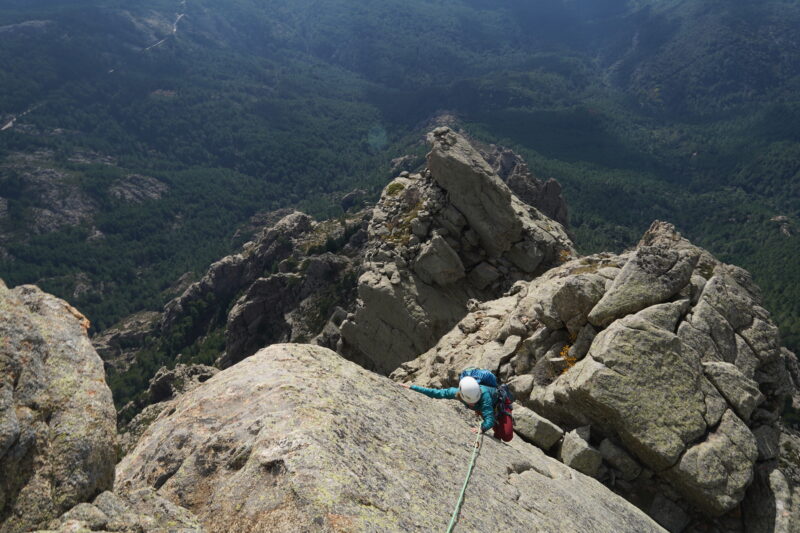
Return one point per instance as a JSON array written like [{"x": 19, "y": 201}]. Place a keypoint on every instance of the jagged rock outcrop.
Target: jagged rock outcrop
[
  {"x": 233, "y": 273},
  {"x": 137, "y": 189},
  {"x": 544, "y": 196},
  {"x": 287, "y": 306},
  {"x": 663, "y": 351},
  {"x": 57, "y": 418},
  {"x": 118, "y": 345},
  {"x": 55, "y": 200},
  {"x": 283, "y": 286},
  {"x": 437, "y": 240},
  {"x": 296, "y": 438}
]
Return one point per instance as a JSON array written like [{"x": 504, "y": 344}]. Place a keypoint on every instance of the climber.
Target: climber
[{"x": 479, "y": 398}]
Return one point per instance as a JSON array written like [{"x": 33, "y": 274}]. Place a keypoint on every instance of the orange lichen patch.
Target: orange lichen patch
[
  {"x": 564, "y": 255},
  {"x": 85, "y": 323},
  {"x": 564, "y": 353},
  {"x": 341, "y": 523}
]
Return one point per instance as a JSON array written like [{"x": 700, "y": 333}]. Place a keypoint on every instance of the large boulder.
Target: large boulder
[
  {"x": 665, "y": 352},
  {"x": 57, "y": 417},
  {"x": 437, "y": 240},
  {"x": 298, "y": 438}
]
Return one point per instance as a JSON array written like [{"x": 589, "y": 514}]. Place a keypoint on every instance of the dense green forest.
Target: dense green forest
[{"x": 685, "y": 111}]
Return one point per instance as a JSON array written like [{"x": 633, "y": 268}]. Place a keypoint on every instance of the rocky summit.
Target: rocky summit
[
  {"x": 437, "y": 240},
  {"x": 296, "y": 438}
]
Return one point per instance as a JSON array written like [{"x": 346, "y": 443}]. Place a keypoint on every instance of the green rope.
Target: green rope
[{"x": 454, "y": 519}]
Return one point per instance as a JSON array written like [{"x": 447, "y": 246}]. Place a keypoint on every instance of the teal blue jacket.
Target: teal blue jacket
[{"x": 485, "y": 405}]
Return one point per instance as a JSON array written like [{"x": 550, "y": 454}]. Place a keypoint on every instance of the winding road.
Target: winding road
[{"x": 179, "y": 16}]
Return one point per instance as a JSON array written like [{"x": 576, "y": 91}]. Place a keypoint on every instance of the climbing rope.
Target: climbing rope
[{"x": 454, "y": 519}]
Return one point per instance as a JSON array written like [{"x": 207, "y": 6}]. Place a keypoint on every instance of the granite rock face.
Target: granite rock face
[
  {"x": 287, "y": 306},
  {"x": 663, "y": 351},
  {"x": 165, "y": 388},
  {"x": 284, "y": 285},
  {"x": 141, "y": 510},
  {"x": 296, "y": 438},
  {"x": 437, "y": 240},
  {"x": 57, "y": 418}
]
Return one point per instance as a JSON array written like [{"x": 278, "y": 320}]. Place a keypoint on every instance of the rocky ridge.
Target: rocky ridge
[
  {"x": 593, "y": 347},
  {"x": 118, "y": 345},
  {"x": 295, "y": 280},
  {"x": 661, "y": 357},
  {"x": 437, "y": 240},
  {"x": 282, "y": 286}
]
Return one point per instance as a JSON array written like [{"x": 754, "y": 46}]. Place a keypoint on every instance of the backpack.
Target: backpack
[
  {"x": 503, "y": 398},
  {"x": 483, "y": 377}
]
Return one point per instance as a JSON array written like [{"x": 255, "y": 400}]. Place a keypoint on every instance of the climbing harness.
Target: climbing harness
[{"x": 454, "y": 519}]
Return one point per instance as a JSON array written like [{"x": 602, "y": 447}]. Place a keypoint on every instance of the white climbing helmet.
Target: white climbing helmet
[{"x": 469, "y": 389}]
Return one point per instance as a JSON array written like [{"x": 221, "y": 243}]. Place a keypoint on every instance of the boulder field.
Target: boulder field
[{"x": 660, "y": 359}]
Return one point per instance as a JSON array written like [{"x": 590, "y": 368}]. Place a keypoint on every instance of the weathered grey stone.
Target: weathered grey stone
[
  {"x": 641, "y": 385},
  {"x": 564, "y": 302},
  {"x": 576, "y": 453},
  {"x": 767, "y": 441},
  {"x": 475, "y": 223},
  {"x": 651, "y": 276},
  {"x": 632, "y": 371},
  {"x": 420, "y": 227},
  {"x": 741, "y": 393},
  {"x": 286, "y": 306},
  {"x": 118, "y": 345},
  {"x": 620, "y": 459},
  {"x": 772, "y": 505},
  {"x": 715, "y": 473},
  {"x": 583, "y": 342},
  {"x": 57, "y": 417},
  {"x": 475, "y": 190},
  {"x": 295, "y": 438},
  {"x": 439, "y": 263},
  {"x": 668, "y": 514},
  {"x": 521, "y": 386},
  {"x": 512, "y": 169},
  {"x": 166, "y": 386},
  {"x": 665, "y": 316},
  {"x": 535, "y": 428},
  {"x": 526, "y": 255},
  {"x": 90, "y": 515}
]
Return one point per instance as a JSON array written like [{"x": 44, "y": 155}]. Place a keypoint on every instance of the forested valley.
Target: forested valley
[{"x": 685, "y": 111}]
